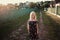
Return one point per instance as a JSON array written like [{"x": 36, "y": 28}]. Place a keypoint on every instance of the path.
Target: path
[{"x": 42, "y": 30}]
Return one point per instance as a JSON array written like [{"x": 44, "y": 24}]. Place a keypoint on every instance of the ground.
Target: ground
[
  {"x": 49, "y": 27},
  {"x": 52, "y": 22}
]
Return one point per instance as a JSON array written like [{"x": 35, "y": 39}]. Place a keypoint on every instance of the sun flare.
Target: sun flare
[{"x": 18, "y": 1}]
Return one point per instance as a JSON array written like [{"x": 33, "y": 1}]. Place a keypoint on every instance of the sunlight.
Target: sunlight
[{"x": 18, "y": 1}]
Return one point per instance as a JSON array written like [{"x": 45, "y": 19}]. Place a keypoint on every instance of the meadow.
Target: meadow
[{"x": 12, "y": 19}]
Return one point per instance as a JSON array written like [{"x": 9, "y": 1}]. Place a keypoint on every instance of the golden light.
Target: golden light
[{"x": 17, "y": 1}]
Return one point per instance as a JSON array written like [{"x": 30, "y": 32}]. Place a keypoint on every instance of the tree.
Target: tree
[{"x": 32, "y": 5}]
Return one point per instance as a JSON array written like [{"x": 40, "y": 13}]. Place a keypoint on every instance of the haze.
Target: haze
[{"x": 18, "y": 1}]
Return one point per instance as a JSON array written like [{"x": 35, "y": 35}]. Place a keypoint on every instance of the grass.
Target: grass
[
  {"x": 14, "y": 21},
  {"x": 52, "y": 26},
  {"x": 11, "y": 25}
]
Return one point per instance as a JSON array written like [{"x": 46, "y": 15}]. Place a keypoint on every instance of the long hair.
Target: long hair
[{"x": 32, "y": 13}]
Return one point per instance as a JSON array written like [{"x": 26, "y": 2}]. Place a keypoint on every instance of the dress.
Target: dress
[{"x": 33, "y": 29}]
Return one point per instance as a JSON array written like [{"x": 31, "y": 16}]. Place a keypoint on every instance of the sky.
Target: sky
[{"x": 17, "y": 1}]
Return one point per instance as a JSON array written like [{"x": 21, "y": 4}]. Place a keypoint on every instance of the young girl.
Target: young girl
[{"x": 32, "y": 26}]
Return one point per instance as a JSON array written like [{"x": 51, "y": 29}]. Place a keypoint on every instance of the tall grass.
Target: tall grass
[{"x": 13, "y": 19}]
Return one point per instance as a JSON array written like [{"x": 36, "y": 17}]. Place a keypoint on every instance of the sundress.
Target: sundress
[{"x": 33, "y": 29}]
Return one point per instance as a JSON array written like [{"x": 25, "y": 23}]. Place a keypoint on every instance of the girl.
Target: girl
[{"x": 32, "y": 26}]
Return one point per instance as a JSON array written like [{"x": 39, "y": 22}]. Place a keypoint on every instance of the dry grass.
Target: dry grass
[{"x": 53, "y": 25}]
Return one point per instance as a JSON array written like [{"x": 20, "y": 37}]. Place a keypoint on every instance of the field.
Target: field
[
  {"x": 13, "y": 24},
  {"x": 53, "y": 26},
  {"x": 13, "y": 19}
]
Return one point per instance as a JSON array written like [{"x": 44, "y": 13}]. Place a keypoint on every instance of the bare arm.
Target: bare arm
[
  {"x": 28, "y": 27},
  {"x": 37, "y": 29}
]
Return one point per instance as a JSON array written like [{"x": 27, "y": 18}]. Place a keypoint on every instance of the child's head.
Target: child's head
[{"x": 32, "y": 15}]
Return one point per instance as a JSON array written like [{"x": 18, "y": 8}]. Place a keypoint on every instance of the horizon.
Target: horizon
[{"x": 5, "y": 2}]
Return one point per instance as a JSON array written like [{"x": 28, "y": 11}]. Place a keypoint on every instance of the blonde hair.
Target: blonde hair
[{"x": 31, "y": 15}]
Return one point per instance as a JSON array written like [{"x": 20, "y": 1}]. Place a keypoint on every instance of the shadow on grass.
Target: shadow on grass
[
  {"x": 6, "y": 27},
  {"x": 52, "y": 26}
]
